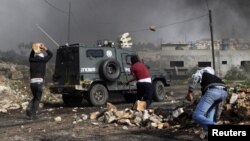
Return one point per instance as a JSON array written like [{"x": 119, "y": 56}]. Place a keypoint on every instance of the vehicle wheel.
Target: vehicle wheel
[
  {"x": 98, "y": 95},
  {"x": 70, "y": 100},
  {"x": 110, "y": 69},
  {"x": 159, "y": 91}
]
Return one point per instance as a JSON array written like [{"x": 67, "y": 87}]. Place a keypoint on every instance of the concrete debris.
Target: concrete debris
[
  {"x": 15, "y": 94},
  {"x": 109, "y": 117},
  {"x": 84, "y": 116},
  {"x": 111, "y": 107},
  {"x": 238, "y": 103},
  {"x": 233, "y": 98},
  {"x": 180, "y": 116},
  {"x": 94, "y": 123},
  {"x": 3, "y": 110},
  {"x": 16, "y": 75},
  {"x": 50, "y": 109},
  {"x": 129, "y": 117},
  {"x": 124, "y": 127},
  {"x": 140, "y": 105},
  {"x": 177, "y": 112},
  {"x": 15, "y": 90},
  {"x": 93, "y": 115},
  {"x": 25, "y": 105},
  {"x": 58, "y": 119}
]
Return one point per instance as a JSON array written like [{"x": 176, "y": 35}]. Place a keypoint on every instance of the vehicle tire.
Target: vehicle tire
[
  {"x": 98, "y": 95},
  {"x": 71, "y": 101},
  {"x": 110, "y": 69},
  {"x": 159, "y": 91}
]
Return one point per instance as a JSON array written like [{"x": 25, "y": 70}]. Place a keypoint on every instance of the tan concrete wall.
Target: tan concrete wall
[{"x": 192, "y": 57}]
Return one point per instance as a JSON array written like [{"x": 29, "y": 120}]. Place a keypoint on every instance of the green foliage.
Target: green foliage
[{"x": 238, "y": 73}]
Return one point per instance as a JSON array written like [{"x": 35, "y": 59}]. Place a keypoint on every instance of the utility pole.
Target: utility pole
[
  {"x": 69, "y": 16},
  {"x": 212, "y": 38}
]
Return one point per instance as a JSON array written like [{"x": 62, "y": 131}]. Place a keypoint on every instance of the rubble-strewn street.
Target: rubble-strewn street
[{"x": 167, "y": 120}]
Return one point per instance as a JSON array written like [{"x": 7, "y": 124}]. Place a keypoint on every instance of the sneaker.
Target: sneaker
[{"x": 28, "y": 113}]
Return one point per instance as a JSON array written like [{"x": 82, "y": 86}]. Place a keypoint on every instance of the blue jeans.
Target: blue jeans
[{"x": 204, "y": 113}]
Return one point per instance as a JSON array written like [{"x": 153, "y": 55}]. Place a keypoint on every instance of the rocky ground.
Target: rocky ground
[{"x": 116, "y": 121}]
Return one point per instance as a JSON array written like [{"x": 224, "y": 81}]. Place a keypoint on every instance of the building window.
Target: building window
[
  {"x": 245, "y": 63},
  {"x": 176, "y": 63},
  {"x": 224, "y": 62},
  {"x": 204, "y": 64}
]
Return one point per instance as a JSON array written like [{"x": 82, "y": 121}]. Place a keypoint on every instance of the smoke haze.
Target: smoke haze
[{"x": 107, "y": 19}]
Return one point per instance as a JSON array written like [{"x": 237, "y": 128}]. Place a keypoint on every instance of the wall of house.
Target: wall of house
[{"x": 191, "y": 58}]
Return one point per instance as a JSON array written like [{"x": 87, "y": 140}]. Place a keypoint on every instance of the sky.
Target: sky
[{"x": 92, "y": 20}]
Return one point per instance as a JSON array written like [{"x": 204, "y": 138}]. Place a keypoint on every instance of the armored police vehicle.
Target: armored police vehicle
[{"x": 94, "y": 73}]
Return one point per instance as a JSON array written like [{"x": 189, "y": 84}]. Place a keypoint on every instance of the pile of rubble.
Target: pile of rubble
[
  {"x": 237, "y": 106},
  {"x": 13, "y": 91},
  {"x": 14, "y": 87},
  {"x": 137, "y": 117},
  {"x": 236, "y": 111}
]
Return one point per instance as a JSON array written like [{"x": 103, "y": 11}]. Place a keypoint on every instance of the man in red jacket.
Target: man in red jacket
[
  {"x": 38, "y": 60},
  {"x": 142, "y": 76}
]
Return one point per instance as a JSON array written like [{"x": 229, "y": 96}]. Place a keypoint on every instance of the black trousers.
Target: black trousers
[
  {"x": 36, "y": 89},
  {"x": 145, "y": 92}
]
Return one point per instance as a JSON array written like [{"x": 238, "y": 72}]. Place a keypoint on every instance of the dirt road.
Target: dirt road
[{"x": 14, "y": 125}]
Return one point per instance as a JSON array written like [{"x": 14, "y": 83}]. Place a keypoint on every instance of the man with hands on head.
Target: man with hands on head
[{"x": 39, "y": 56}]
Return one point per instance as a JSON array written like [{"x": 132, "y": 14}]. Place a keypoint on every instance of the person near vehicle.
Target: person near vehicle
[
  {"x": 214, "y": 92},
  {"x": 142, "y": 76},
  {"x": 38, "y": 59}
]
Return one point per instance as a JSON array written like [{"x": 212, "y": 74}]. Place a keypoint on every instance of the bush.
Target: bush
[{"x": 237, "y": 74}]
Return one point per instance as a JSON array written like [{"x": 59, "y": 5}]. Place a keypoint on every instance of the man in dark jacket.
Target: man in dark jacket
[
  {"x": 38, "y": 60},
  {"x": 213, "y": 93}
]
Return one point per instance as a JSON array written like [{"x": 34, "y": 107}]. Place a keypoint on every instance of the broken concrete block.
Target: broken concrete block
[
  {"x": 233, "y": 98},
  {"x": 160, "y": 125},
  {"x": 125, "y": 122},
  {"x": 109, "y": 117},
  {"x": 166, "y": 125},
  {"x": 145, "y": 115},
  {"x": 154, "y": 125},
  {"x": 94, "y": 115},
  {"x": 84, "y": 116},
  {"x": 111, "y": 107},
  {"x": 137, "y": 121},
  {"x": 119, "y": 114},
  {"x": 154, "y": 118},
  {"x": 140, "y": 105},
  {"x": 58, "y": 119},
  {"x": 177, "y": 112},
  {"x": 25, "y": 105}
]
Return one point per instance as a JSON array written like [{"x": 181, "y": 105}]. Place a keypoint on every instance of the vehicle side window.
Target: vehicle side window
[
  {"x": 128, "y": 60},
  {"x": 94, "y": 53}
]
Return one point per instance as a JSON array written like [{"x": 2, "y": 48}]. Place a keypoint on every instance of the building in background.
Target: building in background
[{"x": 178, "y": 59}]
